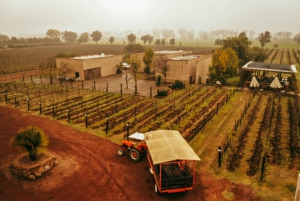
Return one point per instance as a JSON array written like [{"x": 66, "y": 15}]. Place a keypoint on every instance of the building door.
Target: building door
[
  {"x": 191, "y": 79},
  {"x": 92, "y": 73}
]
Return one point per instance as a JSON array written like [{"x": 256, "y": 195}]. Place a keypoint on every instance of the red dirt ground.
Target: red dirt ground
[{"x": 89, "y": 169}]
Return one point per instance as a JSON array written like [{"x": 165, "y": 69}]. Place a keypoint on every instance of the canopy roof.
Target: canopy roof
[
  {"x": 284, "y": 68},
  {"x": 137, "y": 136},
  {"x": 168, "y": 145}
]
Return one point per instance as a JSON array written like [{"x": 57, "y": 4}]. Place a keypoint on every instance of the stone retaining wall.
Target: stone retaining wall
[{"x": 24, "y": 168}]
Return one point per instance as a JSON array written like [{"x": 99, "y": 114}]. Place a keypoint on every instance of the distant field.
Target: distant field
[
  {"x": 281, "y": 44},
  {"x": 211, "y": 43},
  {"x": 196, "y": 42}
]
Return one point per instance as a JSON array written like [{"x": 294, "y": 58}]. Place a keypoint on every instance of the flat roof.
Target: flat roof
[
  {"x": 188, "y": 57},
  {"x": 285, "y": 68},
  {"x": 92, "y": 56},
  {"x": 169, "y": 52}
]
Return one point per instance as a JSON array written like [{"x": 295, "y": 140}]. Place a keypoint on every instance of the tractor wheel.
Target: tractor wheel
[
  {"x": 134, "y": 155},
  {"x": 156, "y": 189},
  {"x": 120, "y": 151}
]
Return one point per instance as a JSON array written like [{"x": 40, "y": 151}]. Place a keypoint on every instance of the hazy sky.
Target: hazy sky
[{"x": 34, "y": 17}]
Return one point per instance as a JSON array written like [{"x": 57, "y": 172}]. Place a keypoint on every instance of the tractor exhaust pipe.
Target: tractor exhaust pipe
[{"x": 127, "y": 133}]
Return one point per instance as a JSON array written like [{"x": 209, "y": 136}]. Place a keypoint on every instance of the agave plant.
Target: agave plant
[{"x": 33, "y": 139}]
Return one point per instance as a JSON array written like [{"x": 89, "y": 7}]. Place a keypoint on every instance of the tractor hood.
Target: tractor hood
[{"x": 168, "y": 145}]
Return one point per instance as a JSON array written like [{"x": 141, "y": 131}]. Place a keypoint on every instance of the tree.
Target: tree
[
  {"x": 288, "y": 35},
  {"x": 144, "y": 38},
  {"x": 150, "y": 39},
  {"x": 48, "y": 67},
  {"x": 241, "y": 45},
  {"x": 33, "y": 139},
  {"x": 182, "y": 32},
  {"x": 53, "y": 33},
  {"x": 84, "y": 37},
  {"x": 191, "y": 34},
  {"x": 125, "y": 73},
  {"x": 106, "y": 34},
  {"x": 96, "y": 35},
  {"x": 243, "y": 34},
  {"x": 132, "y": 48},
  {"x": 264, "y": 38},
  {"x": 14, "y": 39},
  {"x": 3, "y": 37},
  {"x": 297, "y": 38},
  {"x": 224, "y": 64},
  {"x": 251, "y": 34},
  {"x": 155, "y": 33},
  {"x": 157, "y": 42},
  {"x": 148, "y": 59},
  {"x": 167, "y": 33},
  {"x": 131, "y": 38},
  {"x": 218, "y": 42},
  {"x": 64, "y": 68},
  {"x": 69, "y": 36},
  {"x": 281, "y": 35},
  {"x": 203, "y": 35},
  {"x": 172, "y": 42},
  {"x": 163, "y": 42},
  {"x": 135, "y": 64},
  {"x": 111, "y": 39},
  {"x": 139, "y": 34},
  {"x": 163, "y": 66},
  {"x": 257, "y": 54}
]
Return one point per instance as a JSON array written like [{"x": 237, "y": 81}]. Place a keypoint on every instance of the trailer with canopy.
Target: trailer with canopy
[{"x": 172, "y": 161}]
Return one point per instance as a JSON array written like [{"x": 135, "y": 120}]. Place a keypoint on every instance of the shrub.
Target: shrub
[
  {"x": 119, "y": 71},
  {"x": 158, "y": 79},
  {"x": 162, "y": 93},
  {"x": 199, "y": 80},
  {"x": 32, "y": 139},
  {"x": 178, "y": 85}
]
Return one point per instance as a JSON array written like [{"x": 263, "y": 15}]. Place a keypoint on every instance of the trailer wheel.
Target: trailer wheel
[
  {"x": 151, "y": 171},
  {"x": 120, "y": 151},
  {"x": 156, "y": 189},
  {"x": 134, "y": 155}
]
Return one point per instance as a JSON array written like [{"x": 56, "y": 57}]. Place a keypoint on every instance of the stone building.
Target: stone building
[
  {"x": 183, "y": 66},
  {"x": 89, "y": 67}
]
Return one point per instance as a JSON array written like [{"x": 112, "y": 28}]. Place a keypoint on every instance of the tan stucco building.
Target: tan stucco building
[
  {"x": 183, "y": 66},
  {"x": 90, "y": 67},
  {"x": 188, "y": 68}
]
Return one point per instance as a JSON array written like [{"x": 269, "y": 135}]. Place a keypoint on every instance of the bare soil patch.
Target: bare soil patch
[{"x": 90, "y": 169}]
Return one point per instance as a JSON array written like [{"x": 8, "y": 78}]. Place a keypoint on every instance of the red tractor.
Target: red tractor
[{"x": 136, "y": 146}]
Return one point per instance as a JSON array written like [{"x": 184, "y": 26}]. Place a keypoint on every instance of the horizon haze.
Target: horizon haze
[{"x": 32, "y": 18}]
